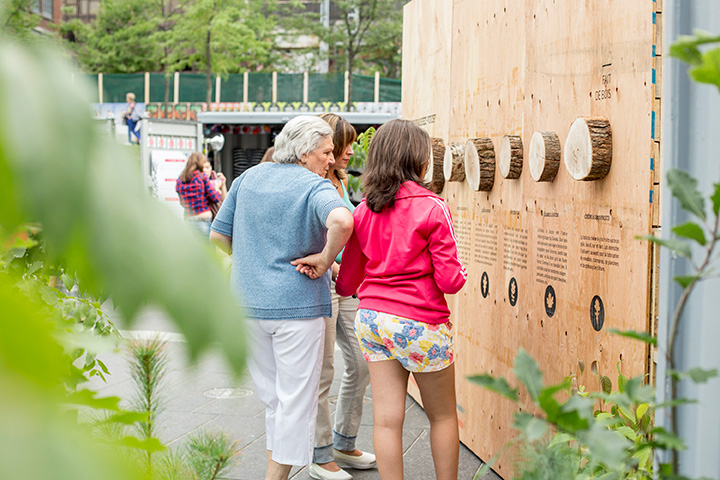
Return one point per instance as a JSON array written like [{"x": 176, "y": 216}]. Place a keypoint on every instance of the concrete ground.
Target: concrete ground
[{"x": 204, "y": 395}]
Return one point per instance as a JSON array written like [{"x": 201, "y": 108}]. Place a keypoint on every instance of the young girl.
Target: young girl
[{"x": 401, "y": 259}]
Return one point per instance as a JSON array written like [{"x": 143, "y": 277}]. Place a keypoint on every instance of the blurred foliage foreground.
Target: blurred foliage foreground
[{"x": 73, "y": 214}]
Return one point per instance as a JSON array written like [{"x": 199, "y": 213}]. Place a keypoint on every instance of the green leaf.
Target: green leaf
[
  {"x": 664, "y": 439},
  {"x": 605, "y": 447},
  {"x": 642, "y": 410},
  {"x": 686, "y": 280},
  {"x": 627, "y": 432},
  {"x": 709, "y": 70},
  {"x": 532, "y": 428},
  {"x": 606, "y": 384},
  {"x": 497, "y": 385},
  {"x": 684, "y": 188},
  {"x": 547, "y": 401},
  {"x": 527, "y": 371},
  {"x": 637, "y": 335},
  {"x": 67, "y": 281},
  {"x": 692, "y": 231},
  {"x": 697, "y": 374},
  {"x": 716, "y": 199},
  {"x": 149, "y": 445},
  {"x": 677, "y": 246}
]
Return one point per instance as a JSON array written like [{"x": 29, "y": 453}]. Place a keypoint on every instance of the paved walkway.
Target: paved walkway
[{"x": 205, "y": 396}]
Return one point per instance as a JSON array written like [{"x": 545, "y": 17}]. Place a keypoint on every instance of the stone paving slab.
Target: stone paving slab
[{"x": 193, "y": 405}]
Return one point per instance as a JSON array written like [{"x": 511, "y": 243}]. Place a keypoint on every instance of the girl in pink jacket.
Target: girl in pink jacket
[{"x": 401, "y": 260}]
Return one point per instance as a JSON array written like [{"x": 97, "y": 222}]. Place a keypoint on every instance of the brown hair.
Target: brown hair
[
  {"x": 344, "y": 134},
  {"x": 195, "y": 162},
  {"x": 398, "y": 153}
]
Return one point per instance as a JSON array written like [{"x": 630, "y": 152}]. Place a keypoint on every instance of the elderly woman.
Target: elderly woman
[{"x": 274, "y": 214}]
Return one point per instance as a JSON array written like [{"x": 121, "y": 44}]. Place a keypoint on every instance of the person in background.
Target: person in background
[
  {"x": 195, "y": 190},
  {"x": 335, "y": 445},
  {"x": 274, "y": 214},
  {"x": 401, "y": 260},
  {"x": 268, "y": 156},
  {"x": 133, "y": 117},
  {"x": 219, "y": 182}
]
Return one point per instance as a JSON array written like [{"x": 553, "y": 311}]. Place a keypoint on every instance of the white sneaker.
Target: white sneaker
[
  {"x": 365, "y": 461},
  {"x": 319, "y": 473}
]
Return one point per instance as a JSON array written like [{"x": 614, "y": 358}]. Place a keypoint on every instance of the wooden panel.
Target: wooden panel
[{"x": 541, "y": 254}]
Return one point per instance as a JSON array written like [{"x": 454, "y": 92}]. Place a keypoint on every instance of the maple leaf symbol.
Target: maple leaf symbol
[{"x": 550, "y": 300}]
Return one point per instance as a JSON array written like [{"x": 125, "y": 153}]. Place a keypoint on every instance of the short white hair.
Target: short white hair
[{"x": 299, "y": 136}]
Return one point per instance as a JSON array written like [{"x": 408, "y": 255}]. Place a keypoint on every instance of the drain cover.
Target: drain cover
[{"x": 227, "y": 393}]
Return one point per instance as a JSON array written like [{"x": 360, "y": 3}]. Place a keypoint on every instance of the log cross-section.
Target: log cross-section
[
  {"x": 588, "y": 149},
  {"x": 480, "y": 164},
  {"x": 510, "y": 156},
  {"x": 544, "y": 156},
  {"x": 454, "y": 162},
  {"x": 434, "y": 175}
]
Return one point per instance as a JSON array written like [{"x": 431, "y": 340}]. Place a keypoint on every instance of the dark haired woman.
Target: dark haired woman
[
  {"x": 401, "y": 260},
  {"x": 195, "y": 189},
  {"x": 335, "y": 444}
]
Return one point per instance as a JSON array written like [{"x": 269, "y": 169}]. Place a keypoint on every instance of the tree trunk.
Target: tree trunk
[
  {"x": 454, "y": 162},
  {"x": 434, "y": 174},
  {"x": 351, "y": 61},
  {"x": 480, "y": 164},
  {"x": 544, "y": 156},
  {"x": 510, "y": 156},
  {"x": 588, "y": 149},
  {"x": 208, "y": 67}
]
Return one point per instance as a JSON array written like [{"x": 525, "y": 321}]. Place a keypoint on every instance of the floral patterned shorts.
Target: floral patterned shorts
[{"x": 418, "y": 346}]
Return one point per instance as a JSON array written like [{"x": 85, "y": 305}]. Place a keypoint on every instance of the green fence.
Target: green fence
[{"x": 322, "y": 87}]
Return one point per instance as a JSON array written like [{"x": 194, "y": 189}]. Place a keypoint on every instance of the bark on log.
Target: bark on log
[
  {"x": 434, "y": 175},
  {"x": 588, "y": 149},
  {"x": 454, "y": 162},
  {"x": 510, "y": 156},
  {"x": 480, "y": 164},
  {"x": 544, "y": 156}
]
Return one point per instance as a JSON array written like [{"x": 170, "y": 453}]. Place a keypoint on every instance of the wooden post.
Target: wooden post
[
  {"x": 176, "y": 85},
  {"x": 217, "y": 89},
  {"x": 434, "y": 174},
  {"x": 544, "y": 156},
  {"x": 100, "y": 88},
  {"x": 147, "y": 88},
  {"x": 588, "y": 149},
  {"x": 305, "y": 87},
  {"x": 454, "y": 162},
  {"x": 510, "y": 156},
  {"x": 480, "y": 164},
  {"x": 347, "y": 86},
  {"x": 377, "y": 87},
  {"x": 274, "y": 87},
  {"x": 245, "y": 87}
]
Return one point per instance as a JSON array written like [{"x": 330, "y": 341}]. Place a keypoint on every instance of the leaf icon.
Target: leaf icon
[
  {"x": 596, "y": 306},
  {"x": 550, "y": 301},
  {"x": 484, "y": 284},
  {"x": 513, "y": 289}
]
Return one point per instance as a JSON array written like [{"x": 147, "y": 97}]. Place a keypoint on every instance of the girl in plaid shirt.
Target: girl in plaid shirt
[{"x": 194, "y": 189}]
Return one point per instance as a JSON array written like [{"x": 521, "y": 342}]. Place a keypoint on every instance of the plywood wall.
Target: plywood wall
[{"x": 548, "y": 251}]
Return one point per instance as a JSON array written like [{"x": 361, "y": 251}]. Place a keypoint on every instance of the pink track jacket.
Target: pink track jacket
[{"x": 404, "y": 259}]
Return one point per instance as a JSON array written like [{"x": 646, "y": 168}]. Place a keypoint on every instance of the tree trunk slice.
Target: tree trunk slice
[
  {"x": 588, "y": 149},
  {"x": 480, "y": 164},
  {"x": 544, "y": 156},
  {"x": 434, "y": 175},
  {"x": 454, "y": 162},
  {"x": 510, "y": 156}
]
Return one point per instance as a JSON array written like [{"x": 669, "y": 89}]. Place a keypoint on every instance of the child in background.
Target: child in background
[{"x": 401, "y": 260}]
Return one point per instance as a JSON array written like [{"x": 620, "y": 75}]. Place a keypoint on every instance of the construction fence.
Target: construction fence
[{"x": 270, "y": 87}]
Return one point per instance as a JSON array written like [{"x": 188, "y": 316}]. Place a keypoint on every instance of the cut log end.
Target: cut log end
[
  {"x": 454, "y": 162},
  {"x": 588, "y": 149},
  {"x": 434, "y": 174},
  {"x": 480, "y": 164},
  {"x": 544, "y": 156},
  {"x": 510, "y": 156}
]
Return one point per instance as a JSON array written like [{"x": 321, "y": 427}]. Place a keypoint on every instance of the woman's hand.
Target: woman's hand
[{"x": 313, "y": 265}]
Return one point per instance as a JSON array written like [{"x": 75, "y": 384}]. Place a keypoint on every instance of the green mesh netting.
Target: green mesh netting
[
  {"x": 289, "y": 87},
  {"x": 116, "y": 85},
  {"x": 193, "y": 88},
  {"x": 157, "y": 88},
  {"x": 90, "y": 82},
  {"x": 326, "y": 87},
  {"x": 363, "y": 88},
  {"x": 231, "y": 88},
  {"x": 260, "y": 87},
  {"x": 390, "y": 90}
]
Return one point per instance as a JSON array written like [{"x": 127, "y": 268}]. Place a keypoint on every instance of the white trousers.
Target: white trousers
[{"x": 285, "y": 364}]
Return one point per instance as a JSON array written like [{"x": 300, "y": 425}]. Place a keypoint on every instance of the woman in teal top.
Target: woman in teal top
[{"x": 335, "y": 445}]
